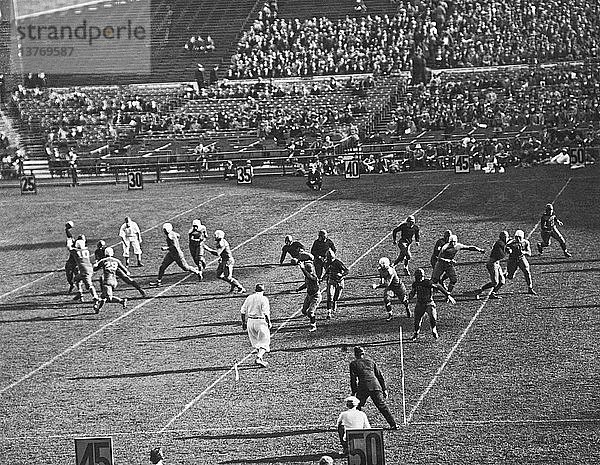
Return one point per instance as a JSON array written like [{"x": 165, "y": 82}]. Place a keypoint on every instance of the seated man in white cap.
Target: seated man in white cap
[
  {"x": 174, "y": 254},
  {"x": 351, "y": 419}
]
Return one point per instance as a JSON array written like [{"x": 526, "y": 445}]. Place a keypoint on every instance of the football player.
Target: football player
[
  {"x": 131, "y": 236},
  {"x": 335, "y": 271},
  {"x": 197, "y": 235},
  {"x": 100, "y": 253},
  {"x": 447, "y": 258},
  {"x": 109, "y": 265},
  {"x": 174, "y": 254},
  {"x": 319, "y": 249},
  {"x": 549, "y": 229},
  {"x": 71, "y": 263},
  {"x": 315, "y": 178},
  {"x": 392, "y": 285},
  {"x": 296, "y": 250},
  {"x": 408, "y": 230},
  {"x": 519, "y": 249},
  {"x": 226, "y": 261},
  {"x": 313, "y": 293},
  {"x": 423, "y": 288},
  {"x": 86, "y": 270},
  {"x": 494, "y": 268}
]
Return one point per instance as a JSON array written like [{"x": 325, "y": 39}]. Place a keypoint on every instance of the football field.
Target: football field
[{"x": 509, "y": 381}]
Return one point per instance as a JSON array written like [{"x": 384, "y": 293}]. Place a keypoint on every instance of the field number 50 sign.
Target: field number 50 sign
[
  {"x": 365, "y": 447},
  {"x": 92, "y": 451}
]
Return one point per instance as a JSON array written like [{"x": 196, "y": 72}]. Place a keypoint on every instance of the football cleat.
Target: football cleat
[
  {"x": 531, "y": 291},
  {"x": 78, "y": 298},
  {"x": 124, "y": 303},
  {"x": 495, "y": 296},
  {"x": 142, "y": 293},
  {"x": 261, "y": 362},
  {"x": 540, "y": 248},
  {"x": 312, "y": 328},
  {"x": 98, "y": 305},
  {"x": 435, "y": 333},
  {"x": 567, "y": 254},
  {"x": 241, "y": 290},
  {"x": 156, "y": 283},
  {"x": 414, "y": 338},
  {"x": 390, "y": 316}
]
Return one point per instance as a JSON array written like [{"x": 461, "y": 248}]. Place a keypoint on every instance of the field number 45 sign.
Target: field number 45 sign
[{"x": 92, "y": 451}]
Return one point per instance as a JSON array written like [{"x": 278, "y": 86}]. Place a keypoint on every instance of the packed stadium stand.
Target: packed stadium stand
[{"x": 383, "y": 79}]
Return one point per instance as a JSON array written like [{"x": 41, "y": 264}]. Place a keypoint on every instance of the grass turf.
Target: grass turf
[{"x": 520, "y": 386}]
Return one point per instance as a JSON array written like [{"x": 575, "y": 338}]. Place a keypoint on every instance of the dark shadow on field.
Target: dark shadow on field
[
  {"x": 57, "y": 318},
  {"x": 214, "y": 323},
  {"x": 33, "y": 305},
  {"x": 196, "y": 336},
  {"x": 564, "y": 307},
  {"x": 562, "y": 261},
  {"x": 27, "y": 273},
  {"x": 342, "y": 346},
  {"x": 213, "y": 296},
  {"x": 577, "y": 270},
  {"x": 275, "y": 434},
  {"x": 183, "y": 371},
  {"x": 306, "y": 458},
  {"x": 32, "y": 246}
]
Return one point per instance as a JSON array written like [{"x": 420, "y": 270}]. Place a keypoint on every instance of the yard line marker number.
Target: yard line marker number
[
  {"x": 464, "y": 333},
  {"x": 195, "y": 400}
]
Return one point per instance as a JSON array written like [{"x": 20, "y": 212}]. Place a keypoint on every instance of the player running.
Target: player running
[
  {"x": 109, "y": 265},
  {"x": 174, "y": 254},
  {"x": 131, "y": 237},
  {"x": 447, "y": 258},
  {"x": 423, "y": 288},
  {"x": 319, "y": 249},
  {"x": 296, "y": 250},
  {"x": 438, "y": 247},
  {"x": 71, "y": 263},
  {"x": 335, "y": 271},
  {"x": 197, "y": 235},
  {"x": 519, "y": 249},
  {"x": 494, "y": 268},
  {"x": 86, "y": 270},
  {"x": 313, "y": 293},
  {"x": 408, "y": 230},
  {"x": 226, "y": 261},
  {"x": 100, "y": 253},
  {"x": 392, "y": 285},
  {"x": 549, "y": 229}
]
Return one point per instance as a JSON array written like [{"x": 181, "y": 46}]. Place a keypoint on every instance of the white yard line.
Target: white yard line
[
  {"x": 145, "y": 302},
  {"x": 47, "y": 275},
  {"x": 195, "y": 400},
  {"x": 463, "y": 334}
]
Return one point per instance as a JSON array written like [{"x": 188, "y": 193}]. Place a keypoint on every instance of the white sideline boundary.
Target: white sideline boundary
[
  {"x": 151, "y": 299},
  {"x": 326, "y": 427},
  {"x": 465, "y": 331},
  {"x": 192, "y": 402},
  {"x": 47, "y": 275}
]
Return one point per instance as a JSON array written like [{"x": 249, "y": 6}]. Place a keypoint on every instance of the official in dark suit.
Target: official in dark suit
[{"x": 367, "y": 381}]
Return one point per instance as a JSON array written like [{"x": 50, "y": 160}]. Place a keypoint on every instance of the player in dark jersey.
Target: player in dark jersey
[
  {"x": 109, "y": 266},
  {"x": 226, "y": 261},
  {"x": 71, "y": 263},
  {"x": 392, "y": 285},
  {"x": 335, "y": 271},
  {"x": 447, "y": 258},
  {"x": 423, "y": 289},
  {"x": 315, "y": 178},
  {"x": 296, "y": 250},
  {"x": 319, "y": 249},
  {"x": 518, "y": 251},
  {"x": 494, "y": 268},
  {"x": 438, "y": 246},
  {"x": 174, "y": 254},
  {"x": 197, "y": 235},
  {"x": 100, "y": 253},
  {"x": 313, "y": 293},
  {"x": 408, "y": 231},
  {"x": 549, "y": 229}
]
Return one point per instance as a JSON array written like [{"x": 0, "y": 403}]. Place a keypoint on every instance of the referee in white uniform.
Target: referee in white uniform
[{"x": 256, "y": 318}]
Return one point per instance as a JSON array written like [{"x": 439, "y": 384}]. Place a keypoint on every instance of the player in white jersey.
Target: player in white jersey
[
  {"x": 109, "y": 266},
  {"x": 131, "y": 237},
  {"x": 83, "y": 279}
]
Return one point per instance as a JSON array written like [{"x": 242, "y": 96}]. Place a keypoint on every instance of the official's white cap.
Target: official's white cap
[
  {"x": 196, "y": 223},
  {"x": 219, "y": 234},
  {"x": 167, "y": 227},
  {"x": 352, "y": 399}
]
